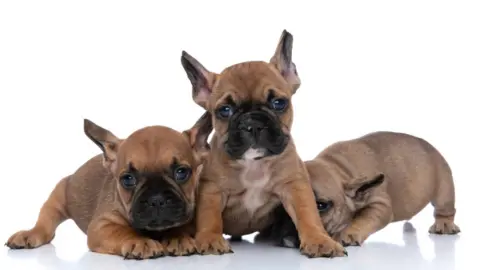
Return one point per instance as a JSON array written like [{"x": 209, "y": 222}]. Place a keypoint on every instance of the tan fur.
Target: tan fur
[
  {"x": 237, "y": 197},
  {"x": 95, "y": 200},
  {"x": 415, "y": 173}
]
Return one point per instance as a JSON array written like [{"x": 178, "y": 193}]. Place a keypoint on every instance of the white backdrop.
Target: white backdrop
[{"x": 409, "y": 66}]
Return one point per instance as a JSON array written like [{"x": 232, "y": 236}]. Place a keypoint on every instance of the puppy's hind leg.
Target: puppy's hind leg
[
  {"x": 408, "y": 227},
  {"x": 444, "y": 206},
  {"x": 52, "y": 213}
]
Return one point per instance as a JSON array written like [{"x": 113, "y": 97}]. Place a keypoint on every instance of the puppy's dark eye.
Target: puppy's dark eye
[
  {"x": 128, "y": 181},
  {"x": 279, "y": 104},
  {"x": 324, "y": 206},
  {"x": 182, "y": 174},
  {"x": 225, "y": 111}
]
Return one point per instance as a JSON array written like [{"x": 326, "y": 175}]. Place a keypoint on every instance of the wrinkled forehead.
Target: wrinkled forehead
[
  {"x": 327, "y": 188},
  {"x": 249, "y": 81},
  {"x": 155, "y": 153}
]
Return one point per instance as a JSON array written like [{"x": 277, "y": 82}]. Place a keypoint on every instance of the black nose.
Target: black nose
[
  {"x": 160, "y": 200},
  {"x": 254, "y": 127}
]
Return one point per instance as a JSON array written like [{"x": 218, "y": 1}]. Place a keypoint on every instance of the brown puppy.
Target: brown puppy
[
  {"x": 253, "y": 166},
  {"x": 138, "y": 187},
  {"x": 363, "y": 184}
]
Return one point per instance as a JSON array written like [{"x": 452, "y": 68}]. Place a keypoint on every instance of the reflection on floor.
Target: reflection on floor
[{"x": 411, "y": 254}]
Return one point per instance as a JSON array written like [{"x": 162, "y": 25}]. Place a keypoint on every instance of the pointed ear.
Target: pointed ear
[
  {"x": 362, "y": 188},
  {"x": 197, "y": 136},
  {"x": 282, "y": 60},
  {"x": 104, "y": 139},
  {"x": 201, "y": 79}
]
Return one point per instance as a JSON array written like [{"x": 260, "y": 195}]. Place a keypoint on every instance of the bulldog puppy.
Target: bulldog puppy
[
  {"x": 361, "y": 185},
  {"x": 140, "y": 186},
  {"x": 253, "y": 166}
]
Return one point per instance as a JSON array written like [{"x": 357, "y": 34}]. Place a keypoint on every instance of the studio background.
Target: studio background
[{"x": 407, "y": 66}]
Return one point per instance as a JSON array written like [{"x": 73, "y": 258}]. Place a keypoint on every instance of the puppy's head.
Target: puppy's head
[
  {"x": 250, "y": 102},
  {"x": 156, "y": 170},
  {"x": 338, "y": 203}
]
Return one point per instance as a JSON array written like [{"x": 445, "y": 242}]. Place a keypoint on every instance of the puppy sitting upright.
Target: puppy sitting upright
[
  {"x": 363, "y": 184},
  {"x": 253, "y": 166},
  {"x": 138, "y": 187}
]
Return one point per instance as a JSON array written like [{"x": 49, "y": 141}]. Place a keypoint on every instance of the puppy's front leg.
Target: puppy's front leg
[
  {"x": 370, "y": 219},
  {"x": 112, "y": 234},
  {"x": 298, "y": 200},
  {"x": 209, "y": 224}
]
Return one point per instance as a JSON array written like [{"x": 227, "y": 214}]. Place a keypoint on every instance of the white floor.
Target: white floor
[{"x": 390, "y": 248}]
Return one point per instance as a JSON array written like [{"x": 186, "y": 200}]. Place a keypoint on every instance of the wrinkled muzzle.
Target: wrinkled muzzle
[{"x": 255, "y": 130}]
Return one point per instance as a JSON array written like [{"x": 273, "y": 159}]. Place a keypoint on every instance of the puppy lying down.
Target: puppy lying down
[
  {"x": 136, "y": 199},
  {"x": 361, "y": 185}
]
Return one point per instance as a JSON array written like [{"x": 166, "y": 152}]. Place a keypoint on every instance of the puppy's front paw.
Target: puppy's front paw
[
  {"x": 180, "y": 246},
  {"x": 142, "y": 248},
  {"x": 444, "y": 226},
  {"x": 350, "y": 237},
  {"x": 29, "y": 239},
  {"x": 321, "y": 246},
  {"x": 210, "y": 243}
]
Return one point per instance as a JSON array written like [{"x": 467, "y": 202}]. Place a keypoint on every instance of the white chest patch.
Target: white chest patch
[{"x": 254, "y": 177}]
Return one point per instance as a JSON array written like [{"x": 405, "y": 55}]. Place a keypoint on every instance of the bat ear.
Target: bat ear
[
  {"x": 105, "y": 140},
  {"x": 282, "y": 60},
  {"x": 197, "y": 136},
  {"x": 201, "y": 79},
  {"x": 362, "y": 188}
]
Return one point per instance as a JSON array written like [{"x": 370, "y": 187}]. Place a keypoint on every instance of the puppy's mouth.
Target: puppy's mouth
[
  {"x": 150, "y": 223},
  {"x": 156, "y": 211},
  {"x": 156, "y": 225},
  {"x": 254, "y": 136}
]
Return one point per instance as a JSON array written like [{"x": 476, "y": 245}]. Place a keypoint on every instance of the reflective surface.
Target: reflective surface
[{"x": 392, "y": 248}]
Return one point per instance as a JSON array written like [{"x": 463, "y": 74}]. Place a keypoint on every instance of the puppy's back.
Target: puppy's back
[
  {"x": 412, "y": 166},
  {"x": 407, "y": 148},
  {"x": 88, "y": 190}
]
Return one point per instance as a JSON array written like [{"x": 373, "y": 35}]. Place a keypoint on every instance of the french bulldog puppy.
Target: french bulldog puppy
[
  {"x": 362, "y": 185},
  {"x": 253, "y": 165},
  {"x": 139, "y": 188}
]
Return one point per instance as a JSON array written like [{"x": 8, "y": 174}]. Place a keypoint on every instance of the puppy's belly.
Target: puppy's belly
[
  {"x": 240, "y": 218},
  {"x": 250, "y": 209},
  {"x": 253, "y": 199}
]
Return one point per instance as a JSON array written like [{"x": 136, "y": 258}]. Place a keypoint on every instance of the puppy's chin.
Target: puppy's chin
[
  {"x": 254, "y": 154},
  {"x": 246, "y": 153},
  {"x": 250, "y": 151}
]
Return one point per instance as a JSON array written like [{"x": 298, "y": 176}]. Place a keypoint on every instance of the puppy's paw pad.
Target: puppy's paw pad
[
  {"x": 324, "y": 249},
  {"x": 181, "y": 246},
  {"x": 141, "y": 248},
  {"x": 28, "y": 239},
  {"x": 444, "y": 227},
  {"x": 212, "y": 244}
]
